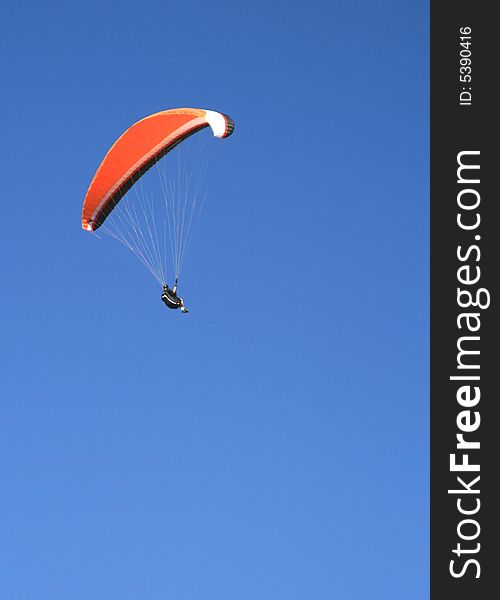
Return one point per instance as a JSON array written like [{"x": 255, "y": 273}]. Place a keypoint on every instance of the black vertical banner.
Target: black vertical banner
[{"x": 465, "y": 269}]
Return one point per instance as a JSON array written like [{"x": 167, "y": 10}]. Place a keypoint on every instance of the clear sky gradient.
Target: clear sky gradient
[{"x": 272, "y": 444}]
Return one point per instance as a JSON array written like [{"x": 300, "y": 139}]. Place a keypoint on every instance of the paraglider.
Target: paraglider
[
  {"x": 158, "y": 230},
  {"x": 171, "y": 299}
]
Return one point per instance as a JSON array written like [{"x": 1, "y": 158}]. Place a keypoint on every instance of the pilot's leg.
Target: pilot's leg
[{"x": 183, "y": 308}]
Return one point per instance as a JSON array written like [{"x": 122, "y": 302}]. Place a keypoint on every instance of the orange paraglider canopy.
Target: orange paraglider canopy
[{"x": 137, "y": 150}]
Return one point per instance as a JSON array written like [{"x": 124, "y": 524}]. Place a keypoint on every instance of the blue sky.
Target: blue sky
[{"x": 272, "y": 444}]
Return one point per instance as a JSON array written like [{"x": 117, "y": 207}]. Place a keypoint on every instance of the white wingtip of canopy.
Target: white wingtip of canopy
[{"x": 217, "y": 122}]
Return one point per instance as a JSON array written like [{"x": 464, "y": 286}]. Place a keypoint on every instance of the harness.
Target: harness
[{"x": 170, "y": 299}]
